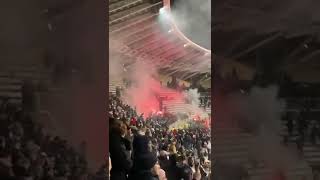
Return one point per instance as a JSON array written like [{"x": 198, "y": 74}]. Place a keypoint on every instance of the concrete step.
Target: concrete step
[
  {"x": 138, "y": 33},
  {"x": 10, "y": 80},
  {"x": 114, "y": 1},
  {"x": 312, "y": 154},
  {"x": 230, "y": 147},
  {"x": 13, "y": 95},
  {"x": 133, "y": 23},
  {"x": 295, "y": 173},
  {"x": 10, "y": 87},
  {"x": 123, "y": 5},
  {"x": 130, "y": 13},
  {"x": 17, "y": 101}
]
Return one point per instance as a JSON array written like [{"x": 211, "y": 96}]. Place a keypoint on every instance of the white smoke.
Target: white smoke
[
  {"x": 116, "y": 69},
  {"x": 192, "y": 97},
  {"x": 259, "y": 112},
  {"x": 194, "y": 19},
  {"x": 260, "y": 107},
  {"x": 117, "y": 61}
]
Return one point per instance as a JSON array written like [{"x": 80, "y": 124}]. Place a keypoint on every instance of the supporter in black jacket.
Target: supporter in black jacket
[
  {"x": 164, "y": 161},
  {"x": 144, "y": 160},
  {"x": 119, "y": 152},
  {"x": 143, "y": 166},
  {"x": 184, "y": 171}
]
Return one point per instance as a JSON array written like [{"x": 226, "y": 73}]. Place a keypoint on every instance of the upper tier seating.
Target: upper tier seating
[{"x": 125, "y": 10}]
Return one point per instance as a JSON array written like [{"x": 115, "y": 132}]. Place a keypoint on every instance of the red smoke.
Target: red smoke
[{"x": 146, "y": 93}]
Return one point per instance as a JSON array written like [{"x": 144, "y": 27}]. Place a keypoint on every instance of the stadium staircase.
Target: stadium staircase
[
  {"x": 310, "y": 151},
  {"x": 113, "y": 84},
  {"x": 232, "y": 145},
  {"x": 179, "y": 105},
  {"x": 12, "y": 78},
  {"x": 174, "y": 106},
  {"x": 11, "y": 88}
]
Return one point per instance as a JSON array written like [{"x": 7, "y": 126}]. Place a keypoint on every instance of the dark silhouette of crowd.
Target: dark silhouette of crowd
[
  {"x": 148, "y": 148},
  {"x": 302, "y": 124},
  {"x": 29, "y": 152},
  {"x": 205, "y": 101}
]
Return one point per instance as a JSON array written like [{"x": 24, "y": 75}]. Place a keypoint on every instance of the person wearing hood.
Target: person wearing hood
[{"x": 144, "y": 160}]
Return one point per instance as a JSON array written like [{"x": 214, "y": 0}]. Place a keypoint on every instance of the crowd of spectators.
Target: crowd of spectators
[
  {"x": 148, "y": 148},
  {"x": 205, "y": 101},
  {"x": 27, "y": 152},
  {"x": 302, "y": 125}
]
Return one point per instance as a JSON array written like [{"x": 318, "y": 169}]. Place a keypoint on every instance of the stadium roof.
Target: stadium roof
[
  {"x": 241, "y": 28},
  {"x": 137, "y": 30}
]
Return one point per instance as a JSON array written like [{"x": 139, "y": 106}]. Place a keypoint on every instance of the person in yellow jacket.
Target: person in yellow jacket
[{"x": 172, "y": 148}]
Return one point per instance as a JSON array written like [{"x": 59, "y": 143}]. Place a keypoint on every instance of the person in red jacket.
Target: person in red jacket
[
  {"x": 174, "y": 131},
  {"x": 133, "y": 121}
]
